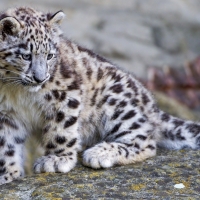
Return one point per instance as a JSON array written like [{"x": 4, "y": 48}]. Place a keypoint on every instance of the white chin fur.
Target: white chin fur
[{"x": 34, "y": 89}]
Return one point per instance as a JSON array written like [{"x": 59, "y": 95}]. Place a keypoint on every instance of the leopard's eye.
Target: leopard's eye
[
  {"x": 26, "y": 56},
  {"x": 50, "y": 56}
]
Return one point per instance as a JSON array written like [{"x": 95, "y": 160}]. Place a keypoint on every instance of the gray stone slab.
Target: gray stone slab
[{"x": 152, "y": 179}]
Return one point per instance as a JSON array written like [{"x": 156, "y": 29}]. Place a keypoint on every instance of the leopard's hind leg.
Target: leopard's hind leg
[{"x": 122, "y": 147}]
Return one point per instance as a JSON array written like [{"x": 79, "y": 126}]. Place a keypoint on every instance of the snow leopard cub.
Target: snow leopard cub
[{"x": 75, "y": 100}]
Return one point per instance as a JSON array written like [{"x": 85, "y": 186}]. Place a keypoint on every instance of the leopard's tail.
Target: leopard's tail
[{"x": 176, "y": 133}]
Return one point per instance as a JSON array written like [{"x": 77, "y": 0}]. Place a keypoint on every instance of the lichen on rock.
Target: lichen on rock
[{"x": 152, "y": 179}]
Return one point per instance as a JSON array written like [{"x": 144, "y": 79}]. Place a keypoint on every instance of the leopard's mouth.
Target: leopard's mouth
[
  {"x": 32, "y": 87},
  {"x": 31, "y": 83},
  {"x": 28, "y": 83}
]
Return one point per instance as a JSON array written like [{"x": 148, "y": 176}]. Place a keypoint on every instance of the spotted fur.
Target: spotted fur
[{"x": 75, "y": 100}]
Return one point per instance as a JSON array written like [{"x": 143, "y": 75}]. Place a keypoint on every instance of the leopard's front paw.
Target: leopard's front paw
[
  {"x": 12, "y": 175},
  {"x": 99, "y": 156},
  {"x": 53, "y": 163}
]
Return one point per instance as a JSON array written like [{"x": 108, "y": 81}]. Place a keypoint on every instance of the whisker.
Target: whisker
[
  {"x": 15, "y": 82},
  {"x": 7, "y": 78},
  {"x": 13, "y": 71}
]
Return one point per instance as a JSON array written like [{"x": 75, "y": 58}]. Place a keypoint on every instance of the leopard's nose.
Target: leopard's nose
[{"x": 38, "y": 79}]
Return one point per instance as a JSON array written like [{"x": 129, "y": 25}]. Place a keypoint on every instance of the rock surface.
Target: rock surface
[{"x": 152, "y": 179}]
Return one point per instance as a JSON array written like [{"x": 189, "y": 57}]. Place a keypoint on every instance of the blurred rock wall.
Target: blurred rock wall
[{"x": 134, "y": 34}]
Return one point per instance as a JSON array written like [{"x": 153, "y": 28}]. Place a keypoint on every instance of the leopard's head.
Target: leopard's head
[{"x": 28, "y": 46}]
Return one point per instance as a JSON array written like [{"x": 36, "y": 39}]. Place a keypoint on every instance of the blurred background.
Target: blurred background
[
  {"x": 159, "y": 41},
  {"x": 135, "y": 34}
]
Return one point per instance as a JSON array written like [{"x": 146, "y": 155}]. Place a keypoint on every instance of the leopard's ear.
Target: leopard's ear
[
  {"x": 9, "y": 26},
  {"x": 56, "y": 19}
]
